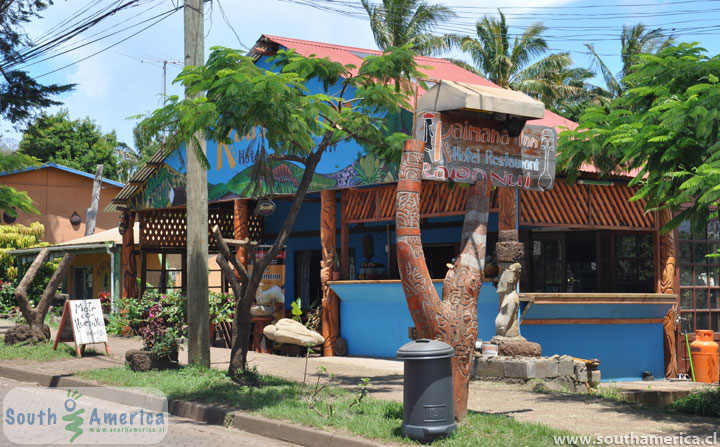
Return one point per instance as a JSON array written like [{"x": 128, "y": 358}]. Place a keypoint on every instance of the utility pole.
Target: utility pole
[{"x": 198, "y": 313}]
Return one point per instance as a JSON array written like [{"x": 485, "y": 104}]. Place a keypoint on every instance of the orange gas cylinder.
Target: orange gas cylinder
[{"x": 705, "y": 357}]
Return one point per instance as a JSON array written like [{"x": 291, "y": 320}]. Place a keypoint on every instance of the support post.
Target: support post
[
  {"x": 330, "y": 301},
  {"x": 666, "y": 284},
  {"x": 129, "y": 264},
  {"x": 240, "y": 228},
  {"x": 344, "y": 244},
  {"x": 197, "y": 207},
  {"x": 507, "y": 212}
]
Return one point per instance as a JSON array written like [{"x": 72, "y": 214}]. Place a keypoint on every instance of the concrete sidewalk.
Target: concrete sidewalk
[{"x": 578, "y": 413}]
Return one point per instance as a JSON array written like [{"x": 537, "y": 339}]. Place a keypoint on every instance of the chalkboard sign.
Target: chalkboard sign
[{"x": 82, "y": 322}]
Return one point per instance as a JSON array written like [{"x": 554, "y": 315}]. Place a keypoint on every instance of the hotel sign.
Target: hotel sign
[{"x": 466, "y": 150}]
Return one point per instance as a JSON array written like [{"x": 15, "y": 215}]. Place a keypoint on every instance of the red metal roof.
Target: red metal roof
[{"x": 439, "y": 69}]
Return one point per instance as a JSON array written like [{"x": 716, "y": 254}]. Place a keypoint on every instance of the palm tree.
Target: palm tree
[
  {"x": 508, "y": 63},
  {"x": 635, "y": 40},
  {"x": 396, "y": 23}
]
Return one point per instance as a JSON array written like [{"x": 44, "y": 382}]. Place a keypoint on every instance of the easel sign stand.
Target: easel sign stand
[{"x": 82, "y": 323}]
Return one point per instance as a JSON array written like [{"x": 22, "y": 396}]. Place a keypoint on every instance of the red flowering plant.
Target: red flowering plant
[{"x": 105, "y": 301}]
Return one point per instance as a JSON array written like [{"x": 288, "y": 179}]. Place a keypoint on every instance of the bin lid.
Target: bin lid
[{"x": 425, "y": 349}]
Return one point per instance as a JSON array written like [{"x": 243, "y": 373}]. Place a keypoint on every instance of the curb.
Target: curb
[{"x": 209, "y": 414}]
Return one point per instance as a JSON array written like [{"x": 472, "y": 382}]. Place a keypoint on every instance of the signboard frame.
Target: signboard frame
[
  {"x": 463, "y": 148},
  {"x": 67, "y": 318}
]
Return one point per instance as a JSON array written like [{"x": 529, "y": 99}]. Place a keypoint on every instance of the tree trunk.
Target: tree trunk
[
  {"x": 454, "y": 319},
  {"x": 246, "y": 295},
  {"x": 91, "y": 213},
  {"x": 35, "y": 317}
]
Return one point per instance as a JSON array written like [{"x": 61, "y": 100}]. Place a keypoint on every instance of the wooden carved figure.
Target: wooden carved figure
[{"x": 454, "y": 319}]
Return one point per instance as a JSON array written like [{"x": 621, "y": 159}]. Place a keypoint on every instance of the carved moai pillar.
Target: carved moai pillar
[
  {"x": 330, "y": 301},
  {"x": 454, "y": 319}
]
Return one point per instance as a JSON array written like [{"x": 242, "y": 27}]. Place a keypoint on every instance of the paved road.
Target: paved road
[{"x": 181, "y": 431}]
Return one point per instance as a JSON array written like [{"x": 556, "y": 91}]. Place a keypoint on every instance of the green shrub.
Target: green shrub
[
  {"x": 13, "y": 237},
  {"x": 7, "y": 297},
  {"x": 701, "y": 402}
]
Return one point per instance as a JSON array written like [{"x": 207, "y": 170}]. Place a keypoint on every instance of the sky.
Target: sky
[{"x": 121, "y": 76}]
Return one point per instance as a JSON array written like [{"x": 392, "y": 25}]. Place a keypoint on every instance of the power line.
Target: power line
[{"x": 164, "y": 16}]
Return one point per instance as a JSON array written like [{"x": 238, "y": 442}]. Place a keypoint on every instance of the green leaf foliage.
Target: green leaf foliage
[
  {"x": 298, "y": 125},
  {"x": 20, "y": 95},
  {"x": 79, "y": 144},
  {"x": 667, "y": 126}
]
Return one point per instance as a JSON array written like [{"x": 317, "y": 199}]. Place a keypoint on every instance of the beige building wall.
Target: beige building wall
[
  {"x": 57, "y": 194},
  {"x": 100, "y": 264}
]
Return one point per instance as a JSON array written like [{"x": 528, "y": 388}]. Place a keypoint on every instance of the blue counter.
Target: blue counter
[{"x": 623, "y": 331}]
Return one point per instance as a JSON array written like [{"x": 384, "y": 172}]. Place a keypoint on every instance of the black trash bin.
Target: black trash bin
[{"x": 429, "y": 409}]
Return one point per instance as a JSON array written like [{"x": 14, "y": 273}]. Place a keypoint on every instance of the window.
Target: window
[
  {"x": 634, "y": 263},
  {"x": 163, "y": 271},
  {"x": 548, "y": 266},
  {"x": 699, "y": 281},
  {"x": 82, "y": 283}
]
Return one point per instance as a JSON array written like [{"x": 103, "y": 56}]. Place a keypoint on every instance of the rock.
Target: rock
[
  {"x": 21, "y": 333},
  {"x": 594, "y": 377},
  {"x": 143, "y": 361},
  {"x": 517, "y": 347},
  {"x": 138, "y": 361},
  {"x": 292, "y": 332}
]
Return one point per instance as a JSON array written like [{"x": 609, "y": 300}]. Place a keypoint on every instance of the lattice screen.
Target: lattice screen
[
  {"x": 167, "y": 228},
  {"x": 256, "y": 227}
]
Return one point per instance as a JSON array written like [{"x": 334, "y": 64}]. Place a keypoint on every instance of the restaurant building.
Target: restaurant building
[{"x": 597, "y": 281}]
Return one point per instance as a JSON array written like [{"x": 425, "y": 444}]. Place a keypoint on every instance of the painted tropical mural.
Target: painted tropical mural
[{"x": 229, "y": 176}]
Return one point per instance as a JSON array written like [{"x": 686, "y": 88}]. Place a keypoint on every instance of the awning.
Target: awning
[{"x": 451, "y": 95}]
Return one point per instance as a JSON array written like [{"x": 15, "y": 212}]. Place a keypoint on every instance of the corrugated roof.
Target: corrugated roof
[
  {"x": 111, "y": 235},
  {"x": 137, "y": 180},
  {"x": 62, "y": 168}
]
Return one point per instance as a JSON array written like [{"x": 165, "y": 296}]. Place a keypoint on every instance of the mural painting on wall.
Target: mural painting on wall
[
  {"x": 465, "y": 150},
  {"x": 229, "y": 174}
]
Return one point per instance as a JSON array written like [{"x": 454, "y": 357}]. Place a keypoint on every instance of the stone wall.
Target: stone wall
[{"x": 559, "y": 372}]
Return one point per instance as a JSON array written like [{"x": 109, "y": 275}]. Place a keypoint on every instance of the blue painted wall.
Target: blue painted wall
[
  {"x": 624, "y": 350},
  {"x": 374, "y": 318}
]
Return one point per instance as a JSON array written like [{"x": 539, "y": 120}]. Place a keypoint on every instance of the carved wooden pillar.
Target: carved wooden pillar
[
  {"x": 330, "y": 301},
  {"x": 129, "y": 267},
  {"x": 240, "y": 228},
  {"x": 666, "y": 284},
  {"x": 454, "y": 319},
  {"x": 344, "y": 244},
  {"x": 506, "y": 209}
]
